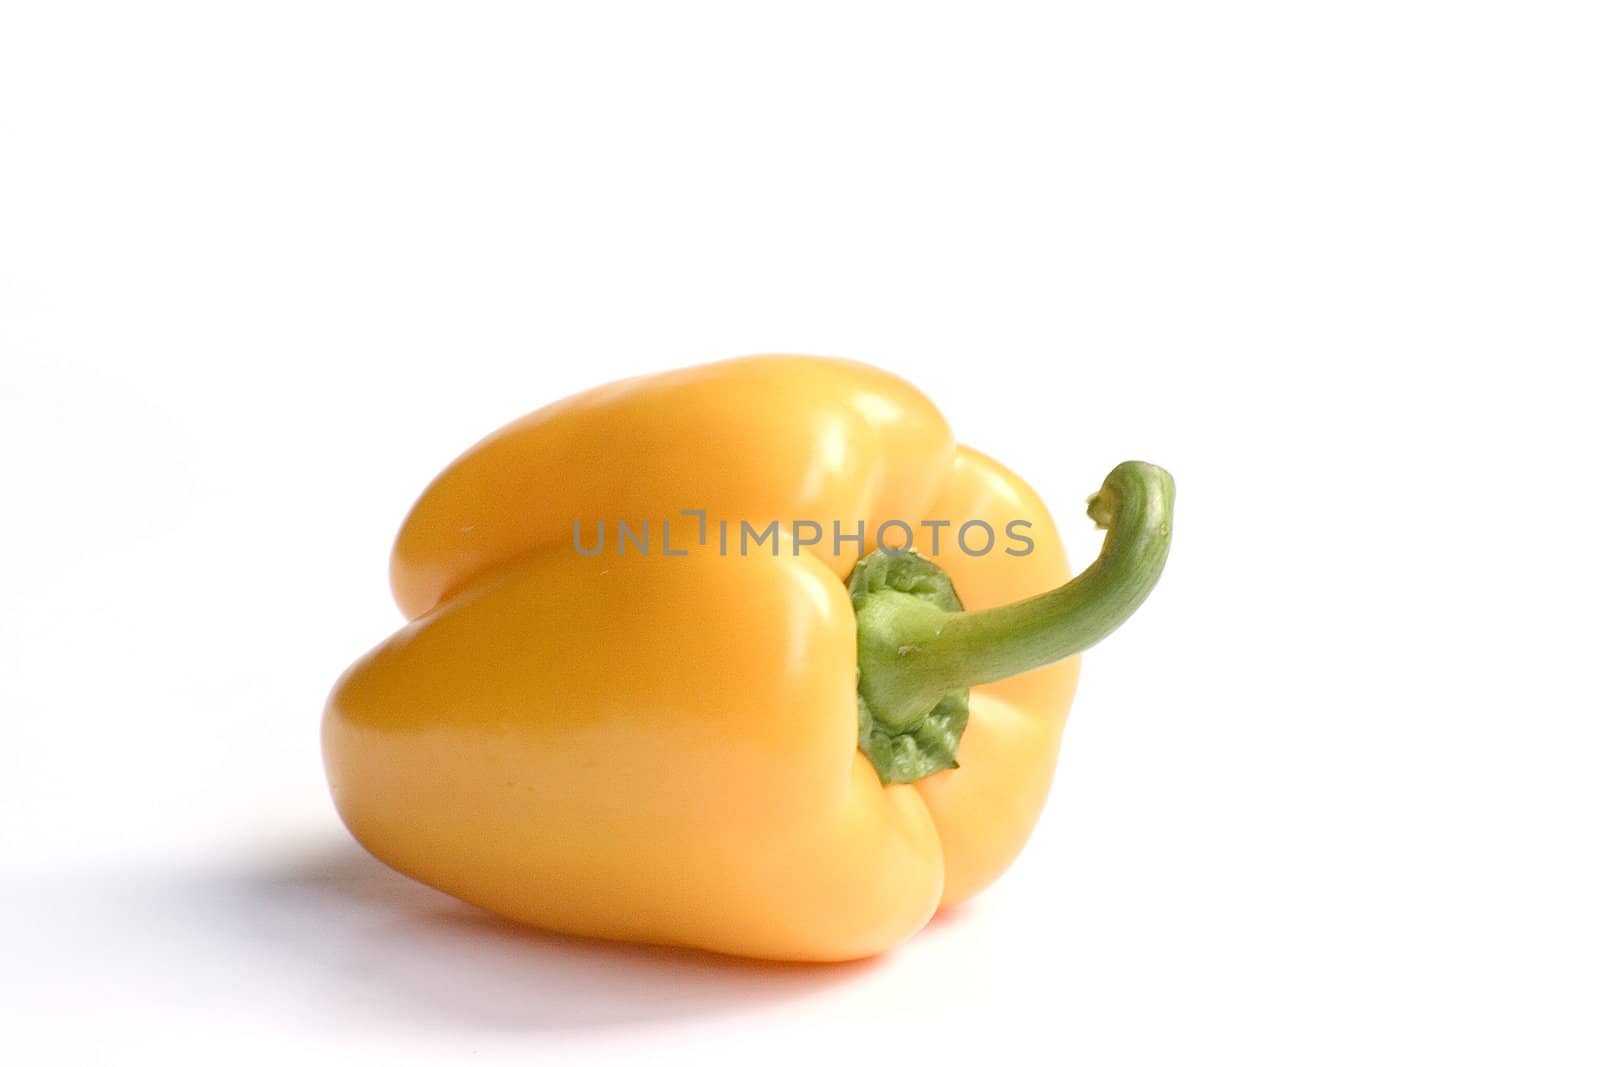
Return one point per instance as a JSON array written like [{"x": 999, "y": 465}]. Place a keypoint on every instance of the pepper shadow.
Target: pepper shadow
[{"x": 363, "y": 941}]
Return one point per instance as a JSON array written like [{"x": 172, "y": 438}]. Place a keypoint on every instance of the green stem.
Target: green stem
[
  {"x": 913, "y": 655},
  {"x": 1135, "y": 510}
]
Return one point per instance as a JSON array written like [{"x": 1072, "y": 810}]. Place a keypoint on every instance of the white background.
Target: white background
[{"x": 1330, "y": 798}]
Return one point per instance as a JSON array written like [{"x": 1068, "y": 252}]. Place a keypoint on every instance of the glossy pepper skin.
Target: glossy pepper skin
[{"x": 664, "y": 748}]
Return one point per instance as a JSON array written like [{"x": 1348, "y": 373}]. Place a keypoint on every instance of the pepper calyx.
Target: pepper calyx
[{"x": 891, "y": 594}]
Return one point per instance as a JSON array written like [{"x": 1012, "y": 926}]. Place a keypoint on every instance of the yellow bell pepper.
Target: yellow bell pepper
[{"x": 682, "y": 737}]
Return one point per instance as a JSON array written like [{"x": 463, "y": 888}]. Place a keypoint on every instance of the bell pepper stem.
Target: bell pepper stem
[
  {"x": 1134, "y": 507},
  {"x": 936, "y": 654}
]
